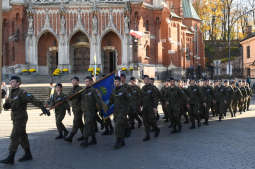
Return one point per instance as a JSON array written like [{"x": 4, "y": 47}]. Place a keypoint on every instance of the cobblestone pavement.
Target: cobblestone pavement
[{"x": 229, "y": 144}]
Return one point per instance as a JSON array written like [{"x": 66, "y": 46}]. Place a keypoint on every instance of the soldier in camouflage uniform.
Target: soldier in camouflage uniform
[
  {"x": 221, "y": 100},
  {"x": 163, "y": 92},
  {"x": 135, "y": 103},
  {"x": 237, "y": 95},
  {"x": 183, "y": 107},
  {"x": 149, "y": 108},
  {"x": 120, "y": 98},
  {"x": 242, "y": 102},
  {"x": 215, "y": 105},
  {"x": 249, "y": 95},
  {"x": 129, "y": 116},
  {"x": 60, "y": 110},
  {"x": 174, "y": 97},
  {"x": 230, "y": 92},
  {"x": 17, "y": 102},
  {"x": 157, "y": 94},
  {"x": 208, "y": 96},
  {"x": 76, "y": 108},
  {"x": 91, "y": 102},
  {"x": 194, "y": 101}
]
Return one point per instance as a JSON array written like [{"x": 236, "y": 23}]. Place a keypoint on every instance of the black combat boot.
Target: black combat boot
[
  {"x": 157, "y": 131},
  {"x": 85, "y": 143},
  {"x": 69, "y": 138},
  {"x": 27, "y": 156},
  {"x": 65, "y": 133},
  {"x": 206, "y": 122},
  {"x": 193, "y": 125},
  {"x": 9, "y": 159},
  {"x": 127, "y": 132},
  {"x": 118, "y": 144},
  {"x": 93, "y": 141},
  {"x": 60, "y": 136},
  {"x": 80, "y": 138},
  {"x": 147, "y": 137}
]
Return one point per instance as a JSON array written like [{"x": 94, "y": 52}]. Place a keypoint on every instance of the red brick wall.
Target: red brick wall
[{"x": 14, "y": 21}]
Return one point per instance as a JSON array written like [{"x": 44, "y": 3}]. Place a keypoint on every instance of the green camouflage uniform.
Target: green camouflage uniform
[
  {"x": 91, "y": 102},
  {"x": 208, "y": 96},
  {"x": 249, "y": 95},
  {"x": 60, "y": 111},
  {"x": 237, "y": 95},
  {"x": 149, "y": 101},
  {"x": 242, "y": 102},
  {"x": 135, "y": 105},
  {"x": 120, "y": 99},
  {"x": 17, "y": 102},
  {"x": 221, "y": 100},
  {"x": 76, "y": 108}
]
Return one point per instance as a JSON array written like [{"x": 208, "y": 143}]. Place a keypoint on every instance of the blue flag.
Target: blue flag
[{"x": 105, "y": 87}]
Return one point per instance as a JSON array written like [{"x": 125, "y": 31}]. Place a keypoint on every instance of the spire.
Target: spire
[{"x": 188, "y": 10}]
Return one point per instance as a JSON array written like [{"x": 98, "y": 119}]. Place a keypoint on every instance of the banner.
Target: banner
[{"x": 105, "y": 87}]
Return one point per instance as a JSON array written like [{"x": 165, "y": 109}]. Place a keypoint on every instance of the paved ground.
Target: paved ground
[{"x": 229, "y": 144}]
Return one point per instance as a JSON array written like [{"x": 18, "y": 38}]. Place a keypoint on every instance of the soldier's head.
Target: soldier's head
[
  {"x": 192, "y": 82},
  {"x": 146, "y": 79},
  {"x": 15, "y": 81},
  {"x": 133, "y": 81},
  {"x": 88, "y": 81},
  {"x": 152, "y": 81},
  {"x": 75, "y": 81},
  {"x": 58, "y": 87},
  {"x": 172, "y": 81},
  {"x": 117, "y": 81},
  {"x": 226, "y": 83},
  {"x": 243, "y": 83},
  {"x": 233, "y": 83},
  {"x": 123, "y": 78},
  {"x": 206, "y": 82}
]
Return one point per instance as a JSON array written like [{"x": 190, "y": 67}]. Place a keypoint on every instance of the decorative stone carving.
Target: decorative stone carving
[
  {"x": 30, "y": 25},
  {"x": 62, "y": 25},
  {"x": 94, "y": 25},
  {"x": 47, "y": 20},
  {"x": 110, "y": 24},
  {"x": 126, "y": 24}
]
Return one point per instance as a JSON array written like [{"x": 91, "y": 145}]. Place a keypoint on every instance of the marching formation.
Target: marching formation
[{"x": 190, "y": 100}]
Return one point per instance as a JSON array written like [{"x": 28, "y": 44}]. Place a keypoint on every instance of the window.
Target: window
[
  {"x": 147, "y": 25},
  {"x": 248, "y": 52},
  {"x": 248, "y": 72},
  {"x": 13, "y": 54},
  {"x": 187, "y": 53},
  {"x": 148, "y": 51}
]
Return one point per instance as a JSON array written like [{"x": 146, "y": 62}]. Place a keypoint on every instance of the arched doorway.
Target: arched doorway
[
  {"x": 110, "y": 52},
  {"x": 79, "y": 53},
  {"x": 48, "y": 52}
]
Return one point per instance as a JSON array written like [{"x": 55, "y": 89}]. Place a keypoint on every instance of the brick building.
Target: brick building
[{"x": 49, "y": 34}]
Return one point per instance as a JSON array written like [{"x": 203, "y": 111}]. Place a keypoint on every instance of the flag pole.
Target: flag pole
[{"x": 95, "y": 67}]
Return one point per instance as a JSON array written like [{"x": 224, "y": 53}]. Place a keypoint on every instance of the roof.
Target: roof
[
  {"x": 188, "y": 10},
  {"x": 248, "y": 37},
  {"x": 173, "y": 14}
]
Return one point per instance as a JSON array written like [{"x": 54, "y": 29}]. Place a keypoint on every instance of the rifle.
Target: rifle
[{"x": 79, "y": 92}]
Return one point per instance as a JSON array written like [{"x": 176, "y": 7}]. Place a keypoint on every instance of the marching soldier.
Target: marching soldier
[
  {"x": 149, "y": 108},
  {"x": 163, "y": 92},
  {"x": 17, "y": 102},
  {"x": 120, "y": 98},
  {"x": 249, "y": 95},
  {"x": 242, "y": 103},
  {"x": 157, "y": 94},
  {"x": 229, "y": 98},
  {"x": 221, "y": 100},
  {"x": 91, "y": 102},
  {"x": 208, "y": 95},
  {"x": 173, "y": 102},
  {"x": 76, "y": 108},
  {"x": 60, "y": 110},
  {"x": 183, "y": 107},
  {"x": 135, "y": 103},
  {"x": 237, "y": 95},
  {"x": 194, "y": 101}
]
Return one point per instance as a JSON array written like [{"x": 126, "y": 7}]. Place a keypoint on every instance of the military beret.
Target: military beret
[
  {"x": 89, "y": 78},
  {"x": 171, "y": 78},
  {"x": 132, "y": 78},
  {"x": 59, "y": 85},
  {"x": 232, "y": 82},
  {"x": 123, "y": 75},
  {"x": 17, "y": 78},
  {"x": 75, "y": 78},
  {"x": 117, "y": 78},
  {"x": 225, "y": 81},
  {"x": 145, "y": 76},
  {"x": 152, "y": 78}
]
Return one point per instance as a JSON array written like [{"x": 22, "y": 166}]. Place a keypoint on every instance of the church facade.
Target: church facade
[{"x": 79, "y": 34}]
